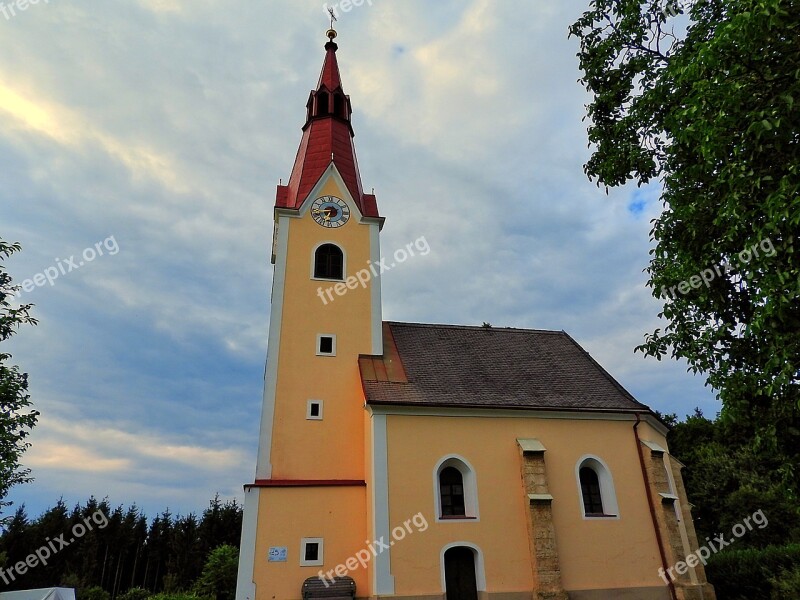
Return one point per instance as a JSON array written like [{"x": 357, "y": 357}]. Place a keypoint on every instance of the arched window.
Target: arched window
[
  {"x": 329, "y": 262},
  {"x": 456, "y": 490},
  {"x": 596, "y": 487},
  {"x": 451, "y": 491},
  {"x": 339, "y": 106},
  {"x": 590, "y": 489},
  {"x": 322, "y": 104}
]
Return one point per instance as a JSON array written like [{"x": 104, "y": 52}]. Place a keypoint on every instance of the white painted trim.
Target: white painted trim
[
  {"x": 607, "y": 490},
  {"x": 382, "y": 578},
  {"x": 480, "y": 571},
  {"x": 321, "y": 556},
  {"x": 316, "y": 192},
  {"x": 314, "y": 256},
  {"x": 375, "y": 291},
  {"x": 245, "y": 586},
  {"x": 263, "y": 465},
  {"x": 309, "y": 416},
  {"x": 540, "y": 498},
  {"x": 333, "y": 344},
  {"x": 504, "y": 413},
  {"x": 470, "y": 482}
]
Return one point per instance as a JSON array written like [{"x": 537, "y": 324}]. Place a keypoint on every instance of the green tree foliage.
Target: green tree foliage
[
  {"x": 727, "y": 480},
  {"x": 787, "y": 585},
  {"x": 165, "y": 554},
  {"x": 135, "y": 593},
  {"x": 93, "y": 593},
  {"x": 712, "y": 114},
  {"x": 756, "y": 574},
  {"x": 16, "y": 417},
  {"x": 218, "y": 580}
]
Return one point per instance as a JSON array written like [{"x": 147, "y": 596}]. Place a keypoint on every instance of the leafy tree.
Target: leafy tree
[
  {"x": 218, "y": 580},
  {"x": 135, "y": 593},
  {"x": 16, "y": 418},
  {"x": 711, "y": 113},
  {"x": 787, "y": 585},
  {"x": 727, "y": 480},
  {"x": 93, "y": 593}
]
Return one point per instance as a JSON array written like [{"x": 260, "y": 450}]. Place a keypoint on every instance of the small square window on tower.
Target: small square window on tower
[
  {"x": 314, "y": 410},
  {"x": 311, "y": 552},
  {"x": 326, "y": 344}
]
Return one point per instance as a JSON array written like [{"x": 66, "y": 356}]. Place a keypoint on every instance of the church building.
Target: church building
[{"x": 422, "y": 461}]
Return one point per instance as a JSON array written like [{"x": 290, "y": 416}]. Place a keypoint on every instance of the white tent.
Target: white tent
[{"x": 41, "y": 594}]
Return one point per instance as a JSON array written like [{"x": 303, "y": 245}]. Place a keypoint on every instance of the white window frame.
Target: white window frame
[
  {"x": 320, "y": 557},
  {"x": 314, "y": 262},
  {"x": 311, "y": 417},
  {"x": 607, "y": 490},
  {"x": 333, "y": 346},
  {"x": 470, "y": 482}
]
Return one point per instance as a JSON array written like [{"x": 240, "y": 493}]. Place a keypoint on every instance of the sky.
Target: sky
[{"x": 141, "y": 142}]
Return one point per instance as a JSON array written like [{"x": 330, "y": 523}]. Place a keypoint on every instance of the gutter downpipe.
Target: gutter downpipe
[{"x": 664, "y": 564}]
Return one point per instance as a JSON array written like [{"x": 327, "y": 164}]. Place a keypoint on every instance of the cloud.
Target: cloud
[{"x": 168, "y": 124}]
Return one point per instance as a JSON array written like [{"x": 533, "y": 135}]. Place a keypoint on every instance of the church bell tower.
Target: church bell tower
[{"x": 307, "y": 509}]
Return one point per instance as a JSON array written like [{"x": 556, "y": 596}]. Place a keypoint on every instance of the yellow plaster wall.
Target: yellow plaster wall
[
  {"x": 593, "y": 554},
  {"x": 286, "y": 515},
  {"x": 332, "y": 448}
]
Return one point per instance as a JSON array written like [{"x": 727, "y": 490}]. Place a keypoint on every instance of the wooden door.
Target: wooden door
[{"x": 459, "y": 574}]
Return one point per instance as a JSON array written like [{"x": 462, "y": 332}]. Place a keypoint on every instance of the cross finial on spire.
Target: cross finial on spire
[{"x": 332, "y": 13}]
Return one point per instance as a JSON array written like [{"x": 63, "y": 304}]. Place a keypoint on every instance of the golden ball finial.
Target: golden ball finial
[{"x": 331, "y": 33}]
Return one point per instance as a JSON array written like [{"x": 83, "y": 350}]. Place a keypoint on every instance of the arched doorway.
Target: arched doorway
[{"x": 459, "y": 574}]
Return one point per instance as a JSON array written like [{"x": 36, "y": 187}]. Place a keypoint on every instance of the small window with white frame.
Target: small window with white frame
[
  {"x": 456, "y": 490},
  {"x": 311, "y": 552},
  {"x": 598, "y": 498},
  {"x": 314, "y": 410},
  {"x": 326, "y": 344}
]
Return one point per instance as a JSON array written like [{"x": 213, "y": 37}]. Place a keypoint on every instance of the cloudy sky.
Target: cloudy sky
[{"x": 153, "y": 133}]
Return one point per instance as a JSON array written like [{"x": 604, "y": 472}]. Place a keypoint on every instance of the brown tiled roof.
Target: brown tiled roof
[{"x": 480, "y": 367}]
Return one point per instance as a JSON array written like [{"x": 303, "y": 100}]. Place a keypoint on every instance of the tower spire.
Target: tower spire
[{"x": 327, "y": 139}]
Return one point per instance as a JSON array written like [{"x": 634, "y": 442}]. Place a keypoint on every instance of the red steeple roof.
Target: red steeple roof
[{"x": 327, "y": 136}]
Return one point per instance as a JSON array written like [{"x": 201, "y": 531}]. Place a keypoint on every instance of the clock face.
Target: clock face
[{"x": 330, "y": 211}]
